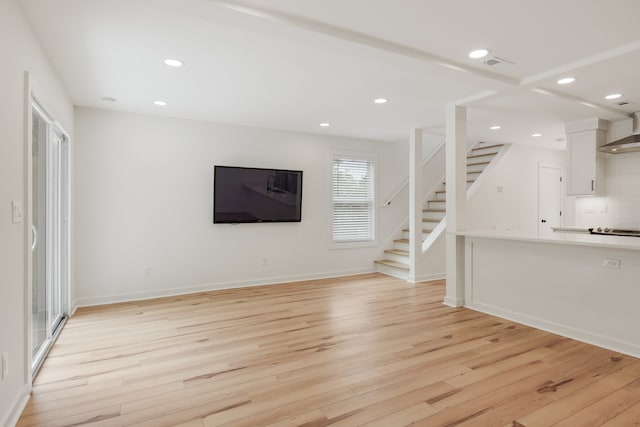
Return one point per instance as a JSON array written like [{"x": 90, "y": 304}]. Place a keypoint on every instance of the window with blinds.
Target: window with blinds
[{"x": 353, "y": 200}]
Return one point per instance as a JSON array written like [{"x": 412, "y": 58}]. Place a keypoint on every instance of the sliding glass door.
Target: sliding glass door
[{"x": 50, "y": 232}]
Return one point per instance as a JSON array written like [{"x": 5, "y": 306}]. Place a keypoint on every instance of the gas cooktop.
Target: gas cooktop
[{"x": 614, "y": 232}]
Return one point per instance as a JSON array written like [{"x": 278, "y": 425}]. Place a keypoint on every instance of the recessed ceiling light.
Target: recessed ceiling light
[
  {"x": 380, "y": 100},
  {"x": 535, "y": 135},
  {"x": 613, "y": 96},
  {"x": 173, "y": 62},
  {"x": 566, "y": 80},
  {"x": 325, "y": 124},
  {"x": 478, "y": 53},
  {"x": 494, "y": 127},
  {"x": 107, "y": 99},
  {"x": 160, "y": 103}
]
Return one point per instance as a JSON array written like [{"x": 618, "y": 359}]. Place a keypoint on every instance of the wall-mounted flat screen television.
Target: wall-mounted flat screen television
[{"x": 242, "y": 195}]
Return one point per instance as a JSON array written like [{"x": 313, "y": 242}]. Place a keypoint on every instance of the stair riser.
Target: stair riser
[
  {"x": 469, "y": 184},
  {"x": 436, "y": 205},
  {"x": 395, "y": 272},
  {"x": 405, "y": 235},
  {"x": 433, "y": 215},
  {"x": 485, "y": 151},
  {"x": 481, "y": 156},
  {"x": 477, "y": 169},
  {"x": 440, "y": 196},
  {"x": 401, "y": 246},
  {"x": 397, "y": 258}
]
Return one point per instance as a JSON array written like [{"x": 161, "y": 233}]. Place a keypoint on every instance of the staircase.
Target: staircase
[{"x": 396, "y": 261}]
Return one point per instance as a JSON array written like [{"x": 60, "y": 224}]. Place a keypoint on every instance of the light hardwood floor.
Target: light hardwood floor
[{"x": 365, "y": 350}]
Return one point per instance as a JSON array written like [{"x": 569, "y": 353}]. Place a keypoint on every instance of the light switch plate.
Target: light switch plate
[{"x": 16, "y": 211}]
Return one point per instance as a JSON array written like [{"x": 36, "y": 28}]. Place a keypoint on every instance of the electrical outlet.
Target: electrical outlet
[
  {"x": 611, "y": 263},
  {"x": 148, "y": 272},
  {"x": 5, "y": 365},
  {"x": 265, "y": 261}
]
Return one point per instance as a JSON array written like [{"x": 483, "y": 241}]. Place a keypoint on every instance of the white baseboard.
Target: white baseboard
[
  {"x": 11, "y": 418},
  {"x": 453, "y": 302},
  {"x": 559, "y": 329},
  {"x": 427, "y": 277},
  {"x": 112, "y": 299}
]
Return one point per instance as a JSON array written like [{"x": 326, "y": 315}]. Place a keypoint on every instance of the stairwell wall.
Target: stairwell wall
[{"x": 508, "y": 196}]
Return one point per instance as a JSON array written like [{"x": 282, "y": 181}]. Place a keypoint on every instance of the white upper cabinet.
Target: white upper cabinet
[{"x": 586, "y": 164}]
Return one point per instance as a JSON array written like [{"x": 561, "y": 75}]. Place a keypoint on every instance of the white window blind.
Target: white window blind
[{"x": 353, "y": 200}]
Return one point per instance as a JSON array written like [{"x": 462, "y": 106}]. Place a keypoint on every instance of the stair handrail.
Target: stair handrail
[{"x": 406, "y": 181}]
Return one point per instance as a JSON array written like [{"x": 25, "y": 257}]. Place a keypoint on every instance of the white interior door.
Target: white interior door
[{"x": 550, "y": 191}]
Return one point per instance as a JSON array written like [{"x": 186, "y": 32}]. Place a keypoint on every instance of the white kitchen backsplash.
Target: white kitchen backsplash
[{"x": 621, "y": 206}]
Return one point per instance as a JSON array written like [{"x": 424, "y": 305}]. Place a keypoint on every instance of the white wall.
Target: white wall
[
  {"x": 144, "y": 201},
  {"x": 20, "y": 52},
  {"x": 516, "y": 207}
]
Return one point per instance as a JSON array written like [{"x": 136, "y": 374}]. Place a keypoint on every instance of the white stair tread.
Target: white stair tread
[
  {"x": 397, "y": 252},
  {"x": 393, "y": 264},
  {"x": 487, "y": 146},
  {"x": 481, "y": 155}
]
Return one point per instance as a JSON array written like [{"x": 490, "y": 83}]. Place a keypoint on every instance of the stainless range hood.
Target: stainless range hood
[{"x": 628, "y": 144}]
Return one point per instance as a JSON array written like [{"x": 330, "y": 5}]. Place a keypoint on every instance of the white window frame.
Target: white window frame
[{"x": 374, "y": 211}]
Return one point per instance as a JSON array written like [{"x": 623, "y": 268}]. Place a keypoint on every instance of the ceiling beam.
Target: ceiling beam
[
  {"x": 361, "y": 39},
  {"x": 584, "y": 62},
  {"x": 581, "y": 101}
]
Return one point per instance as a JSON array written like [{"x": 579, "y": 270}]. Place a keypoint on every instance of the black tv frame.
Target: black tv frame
[{"x": 270, "y": 189}]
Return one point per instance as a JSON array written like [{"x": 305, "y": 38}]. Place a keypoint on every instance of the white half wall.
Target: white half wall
[
  {"x": 21, "y": 52},
  {"x": 560, "y": 288},
  {"x": 144, "y": 201}
]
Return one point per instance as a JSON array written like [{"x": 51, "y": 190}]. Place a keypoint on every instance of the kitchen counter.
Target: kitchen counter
[{"x": 578, "y": 239}]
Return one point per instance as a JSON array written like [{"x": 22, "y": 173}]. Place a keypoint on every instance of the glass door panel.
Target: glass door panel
[
  {"x": 56, "y": 237},
  {"x": 39, "y": 235}
]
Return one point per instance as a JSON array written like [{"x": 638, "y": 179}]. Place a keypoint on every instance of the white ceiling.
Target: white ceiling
[{"x": 291, "y": 64}]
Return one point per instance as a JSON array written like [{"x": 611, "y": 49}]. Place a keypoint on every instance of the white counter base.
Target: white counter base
[{"x": 558, "y": 285}]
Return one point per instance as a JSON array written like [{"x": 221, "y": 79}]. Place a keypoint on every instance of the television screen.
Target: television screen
[{"x": 256, "y": 195}]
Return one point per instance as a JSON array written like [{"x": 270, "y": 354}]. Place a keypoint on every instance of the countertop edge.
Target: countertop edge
[{"x": 575, "y": 239}]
